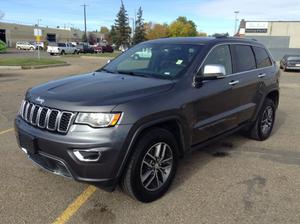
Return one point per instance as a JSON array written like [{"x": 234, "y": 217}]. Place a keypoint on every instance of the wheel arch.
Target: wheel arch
[{"x": 172, "y": 124}]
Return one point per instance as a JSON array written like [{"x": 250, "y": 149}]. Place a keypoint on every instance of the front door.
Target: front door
[{"x": 217, "y": 101}]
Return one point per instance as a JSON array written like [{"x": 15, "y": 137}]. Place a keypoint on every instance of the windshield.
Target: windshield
[{"x": 166, "y": 61}]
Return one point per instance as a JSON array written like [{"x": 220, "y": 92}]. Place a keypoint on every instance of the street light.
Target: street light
[
  {"x": 38, "y": 22},
  {"x": 236, "y": 21},
  {"x": 133, "y": 25}
]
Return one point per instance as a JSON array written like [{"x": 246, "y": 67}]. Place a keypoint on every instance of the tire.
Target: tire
[
  {"x": 157, "y": 175},
  {"x": 51, "y": 54},
  {"x": 31, "y": 49},
  {"x": 263, "y": 126},
  {"x": 62, "y": 52}
]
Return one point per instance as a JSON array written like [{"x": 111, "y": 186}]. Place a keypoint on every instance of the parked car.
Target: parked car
[
  {"x": 290, "y": 62},
  {"x": 25, "y": 45},
  {"x": 2, "y": 46},
  {"x": 129, "y": 122},
  {"x": 103, "y": 48},
  {"x": 62, "y": 48},
  {"x": 145, "y": 53},
  {"x": 84, "y": 48},
  {"x": 39, "y": 45}
]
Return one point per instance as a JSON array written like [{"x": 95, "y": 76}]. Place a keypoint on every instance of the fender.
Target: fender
[
  {"x": 144, "y": 126},
  {"x": 263, "y": 100}
]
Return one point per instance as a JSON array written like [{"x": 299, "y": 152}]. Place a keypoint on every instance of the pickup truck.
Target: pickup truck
[{"x": 62, "y": 48}]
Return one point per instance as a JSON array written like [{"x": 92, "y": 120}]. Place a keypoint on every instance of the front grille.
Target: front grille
[{"x": 46, "y": 118}]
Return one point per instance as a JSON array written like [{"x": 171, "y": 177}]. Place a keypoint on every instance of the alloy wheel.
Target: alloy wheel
[
  {"x": 267, "y": 120},
  {"x": 156, "y": 166}
]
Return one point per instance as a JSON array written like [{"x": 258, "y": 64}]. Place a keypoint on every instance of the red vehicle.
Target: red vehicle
[{"x": 103, "y": 49}]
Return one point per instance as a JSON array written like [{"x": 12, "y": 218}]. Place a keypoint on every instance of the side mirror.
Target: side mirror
[
  {"x": 210, "y": 72},
  {"x": 213, "y": 72}
]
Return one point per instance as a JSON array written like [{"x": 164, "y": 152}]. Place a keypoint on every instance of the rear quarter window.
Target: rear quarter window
[
  {"x": 262, "y": 57},
  {"x": 243, "y": 58}
]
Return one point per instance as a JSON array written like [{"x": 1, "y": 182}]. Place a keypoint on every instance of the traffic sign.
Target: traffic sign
[{"x": 37, "y": 32}]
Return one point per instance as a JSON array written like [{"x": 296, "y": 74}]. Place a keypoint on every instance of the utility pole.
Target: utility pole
[
  {"x": 236, "y": 21},
  {"x": 84, "y": 14}
]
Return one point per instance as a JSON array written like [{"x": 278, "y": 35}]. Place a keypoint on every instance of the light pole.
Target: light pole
[
  {"x": 236, "y": 21},
  {"x": 133, "y": 26}
]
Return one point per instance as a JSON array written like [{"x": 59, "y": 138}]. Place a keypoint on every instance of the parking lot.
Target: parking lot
[{"x": 235, "y": 180}]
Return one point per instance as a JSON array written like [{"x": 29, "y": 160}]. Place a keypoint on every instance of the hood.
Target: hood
[{"x": 95, "y": 91}]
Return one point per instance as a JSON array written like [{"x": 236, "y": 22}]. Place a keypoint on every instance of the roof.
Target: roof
[{"x": 202, "y": 40}]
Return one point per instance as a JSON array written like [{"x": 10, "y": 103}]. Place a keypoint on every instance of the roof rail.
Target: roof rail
[{"x": 221, "y": 36}]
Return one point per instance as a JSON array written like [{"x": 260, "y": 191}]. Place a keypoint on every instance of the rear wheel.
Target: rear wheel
[
  {"x": 62, "y": 52},
  {"x": 152, "y": 166},
  {"x": 263, "y": 126}
]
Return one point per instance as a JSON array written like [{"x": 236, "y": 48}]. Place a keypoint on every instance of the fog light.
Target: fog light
[{"x": 88, "y": 155}]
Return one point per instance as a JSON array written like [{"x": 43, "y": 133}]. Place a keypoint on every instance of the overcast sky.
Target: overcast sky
[{"x": 210, "y": 16}]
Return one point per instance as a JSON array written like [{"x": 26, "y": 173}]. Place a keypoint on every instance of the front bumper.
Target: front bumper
[
  {"x": 54, "y": 152},
  {"x": 293, "y": 67}
]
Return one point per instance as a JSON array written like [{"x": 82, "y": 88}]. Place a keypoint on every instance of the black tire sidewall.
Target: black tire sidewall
[{"x": 143, "y": 146}]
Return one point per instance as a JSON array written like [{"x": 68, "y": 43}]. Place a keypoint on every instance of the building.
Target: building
[
  {"x": 10, "y": 33},
  {"x": 281, "y": 37}
]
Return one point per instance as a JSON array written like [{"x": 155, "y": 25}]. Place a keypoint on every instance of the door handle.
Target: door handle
[
  {"x": 234, "y": 82},
  {"x": 261, "y": 75}
]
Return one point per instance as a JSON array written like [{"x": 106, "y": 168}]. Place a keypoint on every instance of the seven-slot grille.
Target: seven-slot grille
[{"x": 46, "y": 118}]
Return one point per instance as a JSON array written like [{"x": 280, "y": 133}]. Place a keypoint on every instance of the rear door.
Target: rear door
[{"x": 250, "y": 74}]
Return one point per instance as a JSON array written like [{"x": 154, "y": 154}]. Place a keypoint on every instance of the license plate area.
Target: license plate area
[{"x": 28, "y": 142}]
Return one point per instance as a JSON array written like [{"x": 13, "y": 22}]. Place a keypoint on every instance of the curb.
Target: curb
[
  {"x": 44, "y": 66},
  {"x": 96, "y": 57},
  {"x": 10, "y": 67},
  {"x": 32, "y": 66}
]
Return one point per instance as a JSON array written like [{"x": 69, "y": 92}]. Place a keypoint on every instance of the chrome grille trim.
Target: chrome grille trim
[
  {"x": 46, "y": 118},
  {"x": 69, "y": 122}
]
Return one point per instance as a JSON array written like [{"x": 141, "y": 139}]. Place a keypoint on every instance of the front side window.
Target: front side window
[
  {"x": 262, "y": 57},
  {"x": 220, "y": 55},
  {"x": 156, "y": 60},
  {"x": 243, "y": 58}
]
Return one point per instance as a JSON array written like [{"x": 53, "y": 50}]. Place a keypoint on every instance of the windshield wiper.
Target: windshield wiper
[
  {"x": 105, "y": 70},
  {"x": 132, "y": 73}
]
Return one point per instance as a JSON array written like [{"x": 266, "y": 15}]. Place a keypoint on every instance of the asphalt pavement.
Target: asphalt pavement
[{"x": 236, "y": 180}]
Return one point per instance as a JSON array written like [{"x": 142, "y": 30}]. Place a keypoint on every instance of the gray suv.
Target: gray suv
[{"x": 128, "y": 123}]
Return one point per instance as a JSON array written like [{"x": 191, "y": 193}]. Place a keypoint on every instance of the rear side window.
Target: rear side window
[
  {"x": 243, "y": 58},
  {"x": 220, "y": 55},
  {"x": 61, "y": 44},
  {"x": 262, "y": 57}
]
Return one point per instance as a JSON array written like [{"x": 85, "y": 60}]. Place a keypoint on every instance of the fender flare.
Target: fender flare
[{"x": 137, "y": 132}]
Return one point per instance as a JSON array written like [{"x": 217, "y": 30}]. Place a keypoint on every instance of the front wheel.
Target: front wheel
[
  {"x": 263, "y": 126},
  {"x": 152, "y": 166}
]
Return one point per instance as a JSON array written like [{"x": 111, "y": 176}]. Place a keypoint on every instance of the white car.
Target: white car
[
  {"x": 25, "y": 45},
  {"x": 62, "y": 48}
]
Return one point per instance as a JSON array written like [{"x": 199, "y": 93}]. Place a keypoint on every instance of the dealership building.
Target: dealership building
[
  {"x": 281, "y": 37},
  {"x": 10, "y": 33}
]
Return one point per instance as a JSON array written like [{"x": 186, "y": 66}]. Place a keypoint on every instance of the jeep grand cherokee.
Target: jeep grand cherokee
[{"x": 129, "y": 122}]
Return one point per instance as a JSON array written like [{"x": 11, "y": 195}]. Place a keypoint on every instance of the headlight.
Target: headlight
[{"x": 98, "y": 120}]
